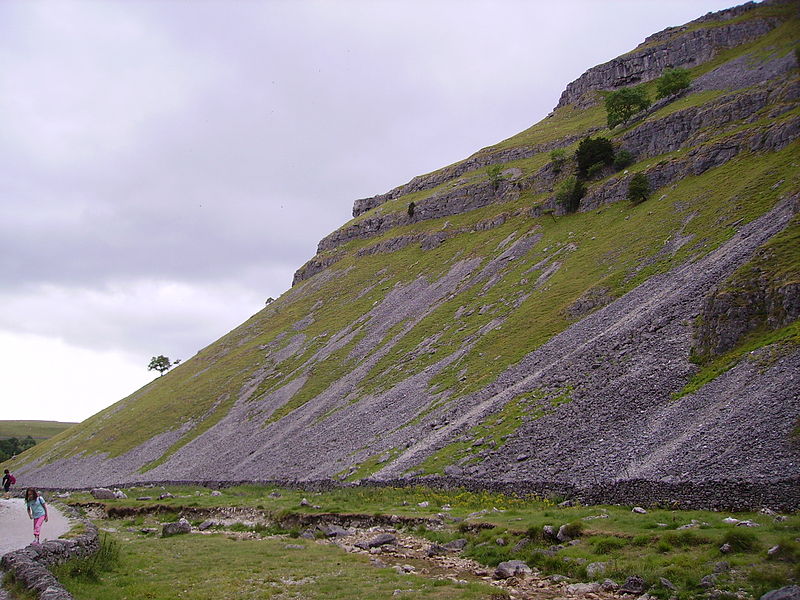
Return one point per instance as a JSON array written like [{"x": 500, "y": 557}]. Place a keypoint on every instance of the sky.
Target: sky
[{"x": 166, "y": 165}]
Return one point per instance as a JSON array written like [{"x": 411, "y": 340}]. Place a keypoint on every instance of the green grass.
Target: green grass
[
  {"x": 217, "y": 567},
  {"x": 651, "y": 545},
  {"x": 38, "y": 430}
]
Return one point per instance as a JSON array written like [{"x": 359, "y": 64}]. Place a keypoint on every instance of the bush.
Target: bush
[
  {"x": 685, "y": 538},
  {"x": 622, "y": 159},
  {"x": 607, "y": 545},
  {"x": 672, "y": 81},
  {"x": 741, "y": 540},
  {"x": 495, "y": 175},
  {"x": 573, "y": 530},
  {"x": 623, "y": 104},
  {"x": 558, "y": 157},
  {"x": 591, "y": 152},
  {"x": 569, "y": 194},
  {"x": 638, "y": 188}
]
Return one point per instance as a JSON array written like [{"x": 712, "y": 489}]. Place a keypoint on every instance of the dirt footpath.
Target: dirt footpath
[{"x": 16, "y": 529}]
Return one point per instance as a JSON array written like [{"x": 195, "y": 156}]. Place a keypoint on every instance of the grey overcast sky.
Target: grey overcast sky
[{"x": 165, "y": 166}]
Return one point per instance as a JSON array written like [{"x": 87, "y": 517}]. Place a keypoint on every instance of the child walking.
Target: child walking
[
  {"x": 8, "y": 481},
  {"x": 37, "y": 510}
]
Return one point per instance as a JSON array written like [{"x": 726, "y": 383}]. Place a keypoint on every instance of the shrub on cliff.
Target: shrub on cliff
[
  {"x": 569, "y": 194},
  {"x": 622, "y": 159},
  {"x": 623, "y": 104},
  {"x": 592, "y": 152},
  {"x": 495, "y": 173},
  {"x": 558, "y": 156},
  {"x": 672, "y": 81},
  {"x": 638, "y": 188}
]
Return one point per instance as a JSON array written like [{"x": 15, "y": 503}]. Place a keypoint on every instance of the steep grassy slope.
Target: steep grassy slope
[{"x": 467, "y": 324}]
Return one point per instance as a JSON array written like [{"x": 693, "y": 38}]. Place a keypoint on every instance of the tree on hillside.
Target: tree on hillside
[
  {"x": 495, "y": 173},
  {"x": 159, "y": 363},
  {"x": 672, "y": 81},
  {"x": 638, "y": 188},
  {"x": 569, "y": 194},
  {"x": 623, "y": 104},
  {"x": 591, "y": 152}
]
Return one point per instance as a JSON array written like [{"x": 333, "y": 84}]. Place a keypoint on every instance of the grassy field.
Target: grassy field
[
  {"x": 261, "y": 556},
  {"x": 38, "y": 430}
]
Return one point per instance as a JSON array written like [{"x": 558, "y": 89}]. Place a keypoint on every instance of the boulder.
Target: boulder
[
  {"x": 639, "y": 510},
  {"x": 512, "y": 568},
  {"x": 456, "y": 545},
  {"x": 379, "y": 540},
  {"x": 179, "y": 527},
  {"x": 207, "y": 524},
  {"x": 334, "y": 531},
  {"x": 102, "y": 494},
  {"x": 609, "y": 585},
  {"x": 633, "y": 585},
  {"x": 165, "y": 495},
  {"x": 581, "y": 589},
  {"x": 790, "y": 592},
  {"x": 120, "y": 495},
  {"x": 596, "y": 569}
]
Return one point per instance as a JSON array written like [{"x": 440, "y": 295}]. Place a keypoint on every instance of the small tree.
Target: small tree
[
  {"x": 672, "y": 81},
  {"x": 638, "y": 188},
  {"x": 623, "y": 104},
  {"x": 410, "y": 210},
  {"x": 591, "y": 152},
  {"x": 558, "y": 156},
  {"x": 622, "y": 159},
  {"x": 569, "y": 194},
  {"x": 495, "y": 175},
  {"x": 159, "y": 363}
]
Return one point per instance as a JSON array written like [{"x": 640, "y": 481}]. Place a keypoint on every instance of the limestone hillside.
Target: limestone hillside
[{"x": 468, "y": 328}]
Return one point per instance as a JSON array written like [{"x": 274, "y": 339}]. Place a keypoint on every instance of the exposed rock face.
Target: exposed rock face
[
  {"x": 484, "y": 158},
  {"x": 674, "y": 47}
]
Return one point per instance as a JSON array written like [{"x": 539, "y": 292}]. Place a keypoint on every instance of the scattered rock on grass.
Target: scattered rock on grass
[
  {"x": 511, "y": 568},
  {"x": 596, "y": 569},
  {"x": 639, "y": 510},
  {"x": 176, "y": 528},
  {"x": 633, "y": 585},
  {"x": 102, "y": 494},
  {"x": 379, "y": 540},
  {"x": 581, "y": 589},
  {"x": 790, "y": 592}
]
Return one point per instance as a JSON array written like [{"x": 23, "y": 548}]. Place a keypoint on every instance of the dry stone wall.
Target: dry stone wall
[{"x": 29, "y": 566}]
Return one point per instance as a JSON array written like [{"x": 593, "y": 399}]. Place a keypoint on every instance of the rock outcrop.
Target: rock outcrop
[{"x": 685, "y": 47}]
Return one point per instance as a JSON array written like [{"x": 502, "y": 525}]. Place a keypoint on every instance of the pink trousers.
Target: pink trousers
[{"x": 37, "y": 525}]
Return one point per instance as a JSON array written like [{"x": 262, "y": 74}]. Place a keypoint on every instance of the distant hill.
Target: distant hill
[
  {"x": 38, "y": 430},
  {"x": 516, "y": 321}
]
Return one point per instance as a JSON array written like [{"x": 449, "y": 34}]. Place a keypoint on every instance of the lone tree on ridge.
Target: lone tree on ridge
[{"x": 160, "y": 363}]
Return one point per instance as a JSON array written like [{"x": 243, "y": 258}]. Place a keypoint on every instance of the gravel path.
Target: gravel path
[{"x": 16, "y": 529}]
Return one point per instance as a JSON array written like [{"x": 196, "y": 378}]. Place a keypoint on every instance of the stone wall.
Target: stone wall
[{"x": 29, "y": 566}]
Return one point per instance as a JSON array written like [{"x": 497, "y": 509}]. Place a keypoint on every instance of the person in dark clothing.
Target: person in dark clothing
[{"x": 8, "y": 481}]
